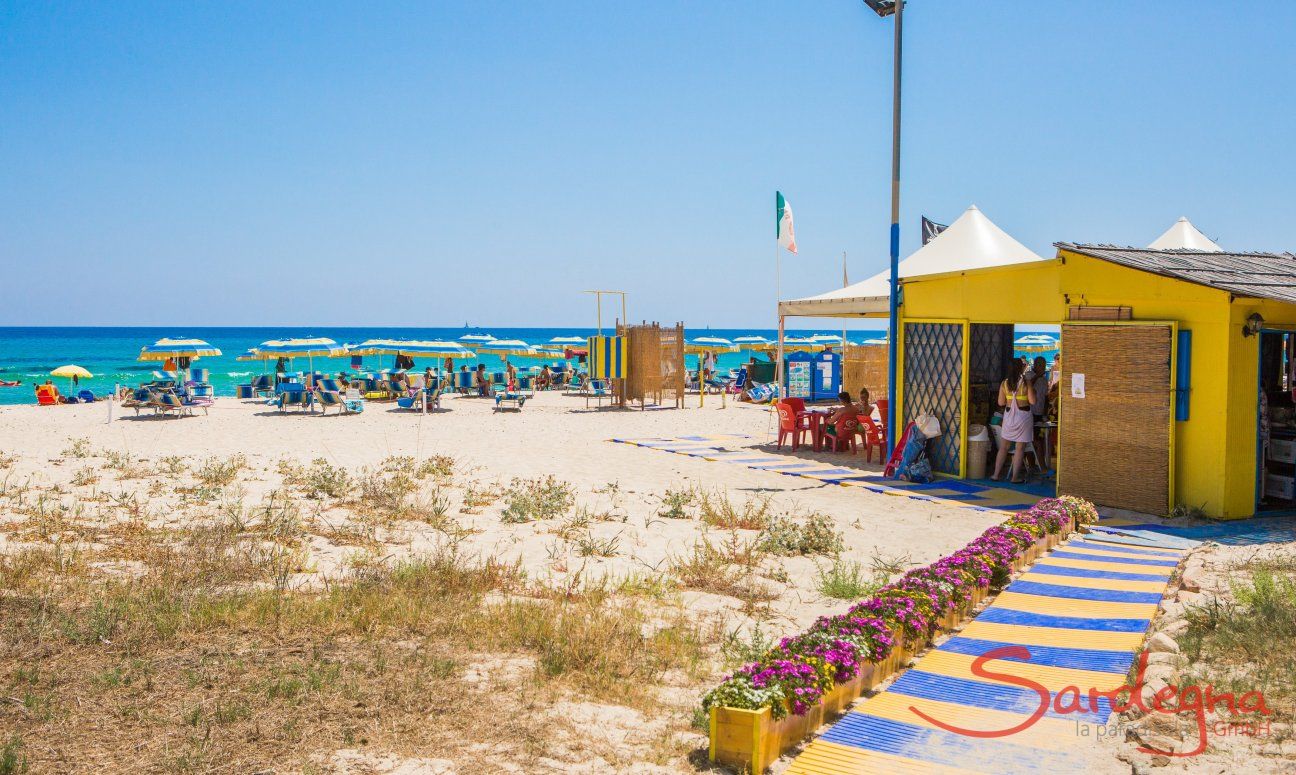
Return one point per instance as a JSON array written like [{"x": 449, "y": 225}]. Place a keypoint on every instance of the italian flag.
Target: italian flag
[{"x": 783, "y": 223}]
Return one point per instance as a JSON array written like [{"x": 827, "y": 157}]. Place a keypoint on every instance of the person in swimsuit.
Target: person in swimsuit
[
  {"x": 1016, "y": 394},
  {"x": 848, "y": 408}
]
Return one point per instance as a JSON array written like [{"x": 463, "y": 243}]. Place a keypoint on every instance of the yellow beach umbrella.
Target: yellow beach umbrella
[{"x": 70, "y": 371}]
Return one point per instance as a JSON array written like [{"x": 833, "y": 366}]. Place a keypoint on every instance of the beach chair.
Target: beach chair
[
  {"x": 739, "y": 383},
  {"x": 198, "y": 402},
  {"x": 597, "y": 389},
  {"x": 329, "y": 385},
  {"x": 463, "y": 382},
  {"x": 201, "y": 376},
  {"x": 262, "y": 385},
  {"x": 354, "y": 400},
  {"x": 162, "y": 403},
  {"x": 516, "y": 398},
  {"x": 45, "y": 396},
  {"x": 86, "y": 397},
  {"x": 844, "y": 429},
  {"x": 873, "y": 437},
  {"x": 331, "y": 399},
  {"x": 791, "y": 424}
]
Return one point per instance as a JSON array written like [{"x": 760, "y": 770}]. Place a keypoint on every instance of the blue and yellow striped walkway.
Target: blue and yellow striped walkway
[
  {"x": 731, "y": 448},
  {"x": 1081, "y": 613}
]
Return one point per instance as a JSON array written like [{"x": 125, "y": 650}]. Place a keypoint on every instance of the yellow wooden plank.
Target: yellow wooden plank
[
  {"x": 1052, "y": 678},
  {"x": 1117, "y": 556},
  {"x": 1119, "y": 567},
  {"x": 1088, "y": 609},
  {"x": 1047, "y": 733},
  {"x": 824, "y": 758},
  {"x": 1039, "y": 574},
  {"x": 1053, "y": 636}
]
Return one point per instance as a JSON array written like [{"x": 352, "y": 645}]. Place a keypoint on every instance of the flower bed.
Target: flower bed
[{"x": 768, "y": 706}]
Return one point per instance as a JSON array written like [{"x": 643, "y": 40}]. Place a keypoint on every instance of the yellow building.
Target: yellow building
[{"x": 1165, "y": 354}]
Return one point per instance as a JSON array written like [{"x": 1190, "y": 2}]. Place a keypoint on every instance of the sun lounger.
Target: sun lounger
[
  {"x": 597, "y": 389},
  {"x": 163, "y": 403},
  {"x": 517, "y": 398},
  {"x": 332, "y": 399}
]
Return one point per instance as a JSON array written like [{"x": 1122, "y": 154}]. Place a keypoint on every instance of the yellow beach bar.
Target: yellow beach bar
[{"x": 1176, "y": 378}]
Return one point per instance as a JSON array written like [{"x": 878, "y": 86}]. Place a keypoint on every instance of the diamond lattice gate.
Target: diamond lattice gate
[{"x": 933, "y": 384}]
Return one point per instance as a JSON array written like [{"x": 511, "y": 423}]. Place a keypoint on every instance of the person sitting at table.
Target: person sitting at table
[
  {"x": 848, "y": 408},
  {"x": 865, "y": 404}
]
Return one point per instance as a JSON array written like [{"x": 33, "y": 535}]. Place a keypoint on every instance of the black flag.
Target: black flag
[{"x": 930, "y": 229}]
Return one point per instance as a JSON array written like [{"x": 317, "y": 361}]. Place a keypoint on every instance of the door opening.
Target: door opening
[{"x": 1276, "y": 417}]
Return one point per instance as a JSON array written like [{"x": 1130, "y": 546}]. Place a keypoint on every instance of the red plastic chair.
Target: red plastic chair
[
  {"x": 845, "y": 437},
  {"x": 873, "y": 437},
  {"x": 45, "y": 396},
  {"x": 790, "y": 424},
  {"x": 882, "y": 405}
]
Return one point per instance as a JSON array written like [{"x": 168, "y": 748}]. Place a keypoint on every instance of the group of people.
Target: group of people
[
  {"x": 1026, "y": 399},
  {"x": 848, "y": 407}
]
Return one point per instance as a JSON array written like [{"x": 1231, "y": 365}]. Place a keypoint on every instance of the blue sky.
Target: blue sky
[{"x": 435, "y": 163}]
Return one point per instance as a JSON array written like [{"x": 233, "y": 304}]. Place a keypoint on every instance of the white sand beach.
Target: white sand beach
[
  {"x": 109, "y": 494},
  {"x": 554, "y": 435}
]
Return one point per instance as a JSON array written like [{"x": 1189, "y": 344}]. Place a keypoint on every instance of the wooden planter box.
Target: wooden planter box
[{"x": 752, "y": 740}]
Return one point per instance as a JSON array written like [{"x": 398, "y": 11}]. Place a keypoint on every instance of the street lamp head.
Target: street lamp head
[{"x": 883, "y": 8}]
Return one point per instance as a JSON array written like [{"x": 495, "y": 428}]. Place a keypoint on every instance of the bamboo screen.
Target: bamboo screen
[
  {"x": 655, "y": 364},
  {"x": 1114, "y": 443},
  {"x": 865, "y": 366}
]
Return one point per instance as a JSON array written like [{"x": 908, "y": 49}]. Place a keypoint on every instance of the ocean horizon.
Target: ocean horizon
[{"x": 110, "y": 353}]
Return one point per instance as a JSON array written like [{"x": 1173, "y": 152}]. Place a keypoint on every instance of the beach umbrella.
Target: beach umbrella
[
  {"x": 477, "y": 338},
  {"x": 167, "y": 349},
  {"x": 566, "y": 340},
  {"x": 309, "y": 347},
  {"x": 708, "y": 344},
  {"x": 70, "y": 371},
  {"x": 881, "y": 341},
  {"x": 1036, "y": 343},
  {"x": 751, "y": 340},
  {"x": 506, "y": 347}
]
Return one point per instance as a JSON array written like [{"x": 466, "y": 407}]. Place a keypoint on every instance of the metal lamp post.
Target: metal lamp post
[{"x": 885, "y": 8}]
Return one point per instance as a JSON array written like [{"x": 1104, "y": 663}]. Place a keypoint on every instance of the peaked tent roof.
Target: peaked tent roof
[
  {"x": 1184, "y": 236},
  {"x": 1261, "y": 275},
  {"x": 971, "y": 242}
]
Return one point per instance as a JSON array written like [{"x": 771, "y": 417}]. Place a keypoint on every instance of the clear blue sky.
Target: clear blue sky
[{"x": 431, "y": 163}]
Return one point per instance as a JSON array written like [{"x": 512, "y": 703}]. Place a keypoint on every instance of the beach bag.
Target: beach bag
[
  {"x": 920, "y": 471},
  {"x": 914, "y": 465},
  {"x": 928, "y": 426}
]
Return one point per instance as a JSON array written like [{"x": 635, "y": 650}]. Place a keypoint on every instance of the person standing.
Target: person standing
[{"x": 1016, "y": 394}]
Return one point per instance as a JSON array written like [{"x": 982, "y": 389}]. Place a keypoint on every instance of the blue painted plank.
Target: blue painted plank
[
  {"x": 1083, "y": 593},
  {"x": 1000, "y": 615},
  {"x": 1051, "y": 656}
]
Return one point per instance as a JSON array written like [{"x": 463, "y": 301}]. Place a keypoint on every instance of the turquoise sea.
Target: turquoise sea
[{"x": 110, "y": 353}]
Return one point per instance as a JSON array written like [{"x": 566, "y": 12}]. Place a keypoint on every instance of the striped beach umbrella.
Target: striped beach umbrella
[
  {"x": 709, "y": 344},
  {"x": 1035, "y": 343},
  {"x": 167, "y": 349},
  {"x": 563, "y": 341},
  {"x": 506, "y": 347},
  {"x": 309, "y": 347}
]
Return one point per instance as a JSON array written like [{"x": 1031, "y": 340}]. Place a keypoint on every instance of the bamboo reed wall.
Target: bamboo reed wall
[
  {"x": 1114, "y": 444},
  {"x": 655, "y": 370},
  {"x": 865, "y": 366}
]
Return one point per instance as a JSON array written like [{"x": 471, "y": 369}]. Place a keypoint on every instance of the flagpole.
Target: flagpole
[
  {"x": 778, "y": 309},
  {"x": 845, "y": 282}
]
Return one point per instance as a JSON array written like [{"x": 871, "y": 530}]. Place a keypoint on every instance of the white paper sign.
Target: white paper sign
[{"x": 1077, "y": 386}]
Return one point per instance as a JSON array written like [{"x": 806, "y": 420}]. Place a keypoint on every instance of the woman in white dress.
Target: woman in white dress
[{"x": 1016, "y": 394}]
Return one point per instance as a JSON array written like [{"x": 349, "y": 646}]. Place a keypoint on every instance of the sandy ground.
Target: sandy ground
[{"x": 554, "y": 435}]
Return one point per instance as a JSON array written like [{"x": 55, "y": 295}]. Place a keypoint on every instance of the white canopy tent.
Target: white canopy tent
[
  {"x": 971, "y": 242},
  {"x": 1184, "y": 236}
]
